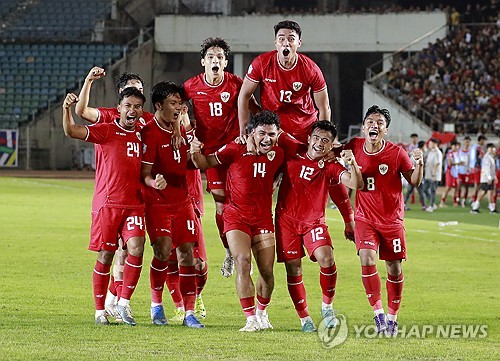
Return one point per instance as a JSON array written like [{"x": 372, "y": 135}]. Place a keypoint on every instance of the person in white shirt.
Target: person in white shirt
[
  {"x": 433, "y": 172},
  {"x": 488, "y": 180}
]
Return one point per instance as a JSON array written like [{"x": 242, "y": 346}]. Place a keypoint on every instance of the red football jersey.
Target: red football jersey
[
  {"x": 215, "y": 109},
  {"x": 107, "y": 115},
  {"x": 172, "y": 164},
  {"x": 249, "y": 184},
  {"x": 303, "y": 192},
  {"x": 118, "y": 165},
  {"x": 287, "y": 92},
  {"x": 381, "y": 199}
]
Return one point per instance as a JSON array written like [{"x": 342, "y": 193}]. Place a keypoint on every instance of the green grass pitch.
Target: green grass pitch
[{"x": 46, "y": 306}]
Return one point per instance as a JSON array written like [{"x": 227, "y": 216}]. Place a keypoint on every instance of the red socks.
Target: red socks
[
  {"x": 201, "y": 279},
  {"x": 297, "y": 292},
  {"x": 328, "y": 281},
  {"x": 371, "y": 282},
  {"x": 262, "y": 302},
  {"x": 248, "y": 306},
  {"x": 187, "y": 286},
  {"x": 220, "y": 226},
  {"x": 173, "y": 284},
  {"x": 394, "y": 286},
  {"x": 131, "y": 274},
  {"x": 157, "y": 275},
  {"x": 100, "y": 280}
]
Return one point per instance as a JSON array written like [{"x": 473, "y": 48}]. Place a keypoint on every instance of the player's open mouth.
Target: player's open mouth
[
  {"x": 317, "y": 149},
  {"x": 265, "y": 146},
  {"x": 373, "y": 134},
  {"x": 215, "y": 69},
  {"x": 176, "y": 115},
  {"x": 286, "y": 52},
  {"x": 131, "y": 118}
]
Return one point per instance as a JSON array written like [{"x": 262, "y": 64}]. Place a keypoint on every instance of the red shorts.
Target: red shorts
[
  {"x": 389, "y": 240},
  {"x": 216, "y": 177},
  {"x": 109, "y": 224},
  {"x": 178, "y": 224},
  {"x": 476, "y": 175},
  {"x": 199, "y": 250},
  {"x": 234, "y": 221},
  {"x": 451, "y": 181},
  {"x": 465, "y": 179},
  {"x": 195, "y": 188},
  {"x": 292, "y": 237}
]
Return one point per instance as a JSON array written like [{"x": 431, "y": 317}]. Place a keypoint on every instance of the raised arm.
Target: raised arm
[
  {"x": 323, "y": 104},
  {"x": 82, "y": 108},
  {"x": 352, "y": 179},
  {"x": 414, "y": 176},
  {"x": 71, "y": 129},
  {"x": 246, "y": 92}
]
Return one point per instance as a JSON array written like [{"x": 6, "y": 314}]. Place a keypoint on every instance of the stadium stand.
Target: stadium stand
[
  {"x": 44, "y": 53},
  {"x": 55, "y": 19},
  {"x": 456, "y": 79},
  {"x": 32, "y": 75}
]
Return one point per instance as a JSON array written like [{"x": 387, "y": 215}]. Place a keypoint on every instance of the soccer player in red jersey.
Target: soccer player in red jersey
[
  {"x": 195, "y": 189},
  {"x": 248, "y": 219},
  {"x": 117, "y": 206},
  {"x": 379, "y": 212},
  {"x": 214, "y": 96},
  {"x": 286, "y": 79},
  {"x": 170, "y": 216},
  {"x": 107, "y": 115},
  {"x": 300, "y": 215}
]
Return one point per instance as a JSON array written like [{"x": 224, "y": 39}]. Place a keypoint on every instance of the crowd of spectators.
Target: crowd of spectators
[
  {"x": 478, "y": 11},
  {"x": 456, "y": 79}
]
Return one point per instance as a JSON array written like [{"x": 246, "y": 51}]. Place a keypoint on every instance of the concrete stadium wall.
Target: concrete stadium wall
[
  {"x": 402, "y": 124},
  {"x": 321, "y": 33}
]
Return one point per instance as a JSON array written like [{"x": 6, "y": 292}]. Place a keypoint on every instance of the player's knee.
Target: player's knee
[
  {"x": 105, "y": 257},
  {"x": 267, "y": 274},
  {"x": 242, "y": 262}
]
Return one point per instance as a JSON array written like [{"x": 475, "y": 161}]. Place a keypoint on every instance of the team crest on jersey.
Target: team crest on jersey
[
  {"x": 297, "y": 85},
  {"x": 250, "y": 68},
  {"x": 271, "y": 154},
  {"x": 321, "y": 163},
  {"x": 138, "y": 135},
  {"x": 383, "y": 168},
  {"x": 224, "y": 96}
]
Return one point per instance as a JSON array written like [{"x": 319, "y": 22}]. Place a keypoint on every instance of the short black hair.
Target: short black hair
[
  {"x": 265, "y": 117},
  {"x": 435, "y": 140},
  {"x": 454, "y": 143},
  {"x": 413, "y": 135},
  {"x": 131, "y": 92},
  {"x": 375, "y": 109},
  {"x": 325, "y": 125},
  {"x": 123, "y": 79},
  {"x": 490, "y": 145},
  {"x": 467, "y": 138},
  {"x": 287, "y": 24},
  {"x": 420, "y": 144},
  {"x": 218, "y": 42},
  {"x": 163, "y": 89},
  {"x": 481, "y": 137}
]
